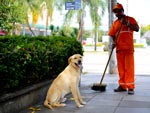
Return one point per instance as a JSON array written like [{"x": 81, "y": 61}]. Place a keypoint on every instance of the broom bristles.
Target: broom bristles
[{"x": 99, "y": 87}]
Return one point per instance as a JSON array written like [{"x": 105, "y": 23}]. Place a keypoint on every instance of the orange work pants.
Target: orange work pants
[{"x": 125, "y": 61}]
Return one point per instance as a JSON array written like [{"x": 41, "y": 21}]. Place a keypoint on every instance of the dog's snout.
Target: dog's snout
[{"x": 79, "y": 62}]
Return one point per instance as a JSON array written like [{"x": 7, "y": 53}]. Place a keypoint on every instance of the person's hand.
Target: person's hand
[
  {"x": 113, "y": 45},
  {"x": 124, "y": 21}
]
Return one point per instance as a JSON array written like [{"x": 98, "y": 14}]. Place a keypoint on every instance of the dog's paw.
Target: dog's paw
[
  {"x": 63, "y": 99},
  {"x": 83, "y": 103},
  {"x": 80, "y": 106},
  {"x": 62, "y": 104}
]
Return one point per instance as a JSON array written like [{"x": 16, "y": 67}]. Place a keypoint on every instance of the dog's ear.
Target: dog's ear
[{"x": 69, "y": 60}]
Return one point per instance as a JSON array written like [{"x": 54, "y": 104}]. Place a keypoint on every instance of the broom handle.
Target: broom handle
[
  {"x": 111, "y": 53},
  {"x": 106, "y": 66}
]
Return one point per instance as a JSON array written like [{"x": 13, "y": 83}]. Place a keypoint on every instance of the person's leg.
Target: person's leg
[
  {"x": 129, "y": 71},
  {"x": 121, "y": 70}
]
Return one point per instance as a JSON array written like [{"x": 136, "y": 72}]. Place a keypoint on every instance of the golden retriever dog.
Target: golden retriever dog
[{"x": 66, "y": 82}]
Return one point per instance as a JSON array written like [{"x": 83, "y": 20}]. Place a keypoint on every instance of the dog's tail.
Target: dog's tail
[{"x": 46, "y": 103}]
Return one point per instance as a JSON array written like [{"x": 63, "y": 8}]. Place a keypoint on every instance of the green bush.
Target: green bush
[{"x": 28, "y": 60}]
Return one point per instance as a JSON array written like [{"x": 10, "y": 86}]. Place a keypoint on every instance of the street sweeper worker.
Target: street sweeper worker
[{"x": 124, "y": 44}]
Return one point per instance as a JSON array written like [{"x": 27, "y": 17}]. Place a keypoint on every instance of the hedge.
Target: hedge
[{"x": 29, "y": 60}]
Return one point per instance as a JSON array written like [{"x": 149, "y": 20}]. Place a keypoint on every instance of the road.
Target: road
[{"x": 95, "y": 61}]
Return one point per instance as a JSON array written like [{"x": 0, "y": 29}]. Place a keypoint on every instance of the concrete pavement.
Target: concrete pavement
[{"x": 108, "y": 101}]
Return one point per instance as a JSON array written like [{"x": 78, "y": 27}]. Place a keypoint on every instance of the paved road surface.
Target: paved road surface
[{"x": 94, "y": 62}]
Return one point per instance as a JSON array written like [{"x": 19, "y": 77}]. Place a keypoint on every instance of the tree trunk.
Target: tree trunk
[
  {"x": 95, "y": 41},
  {"x": 113, "y": 62},
  {"x": 46, "y": 24},
  {"x": 80, "y": 32},
  {"x": 30, "y": 28}
]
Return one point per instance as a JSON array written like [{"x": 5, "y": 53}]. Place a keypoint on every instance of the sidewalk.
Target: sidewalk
[{"x": 108, "y": 101}]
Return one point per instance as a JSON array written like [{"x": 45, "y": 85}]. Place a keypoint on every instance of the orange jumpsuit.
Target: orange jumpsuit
[{"x": 124, "y": 52}]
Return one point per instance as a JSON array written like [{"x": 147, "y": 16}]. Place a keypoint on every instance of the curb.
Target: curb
[{"x": 14, "y": 102}]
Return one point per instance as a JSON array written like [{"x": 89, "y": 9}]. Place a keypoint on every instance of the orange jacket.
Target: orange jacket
[{"x": 125, "y": 39}]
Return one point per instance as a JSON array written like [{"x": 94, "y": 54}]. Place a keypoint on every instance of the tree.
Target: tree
[
  {"x": 11, "y": 13},
  {"x": 51, "y": 5},
  {"x": 14, "y": 12},
  {"x": 79, "y": 14},
  {"x": 95, "y": 6},
  {"x": 33, "y": 7},
  {"x": 144, "y": 29}
]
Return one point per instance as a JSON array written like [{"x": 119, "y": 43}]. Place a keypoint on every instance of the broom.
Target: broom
[{"x": 99, "y": 86}]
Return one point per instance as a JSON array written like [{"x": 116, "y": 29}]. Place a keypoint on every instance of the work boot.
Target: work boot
[
  {"x": 119, "y": 89},
  {"x": 130, "y": 91}
]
